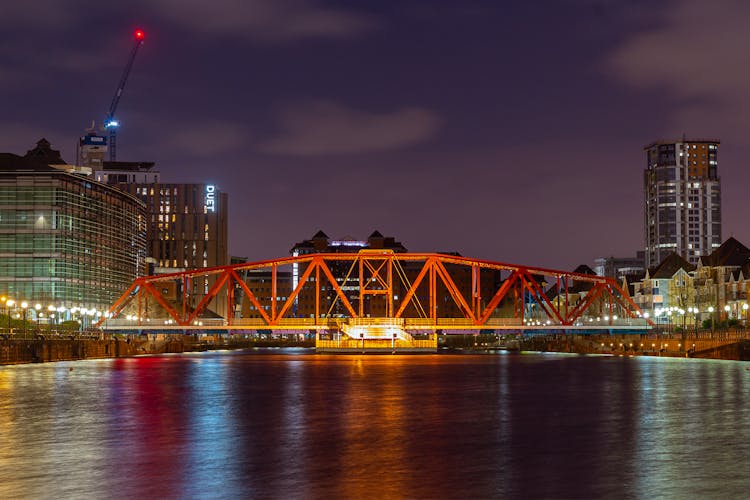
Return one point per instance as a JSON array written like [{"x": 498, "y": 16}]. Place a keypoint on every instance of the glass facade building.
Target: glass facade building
[{"x": 66, "y": 239}]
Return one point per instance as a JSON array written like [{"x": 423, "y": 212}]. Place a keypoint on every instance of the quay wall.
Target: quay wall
[
  {"x": 15, "y": 351},
  {"x": 729, "y": 347},
  {"x": 40, "y": 350}
]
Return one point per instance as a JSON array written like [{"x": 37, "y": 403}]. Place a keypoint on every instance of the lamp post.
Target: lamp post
[
  {"x": 24, "y": 306},
  {"x": 9, "y": 304},
  {"x": 711, "y": 312},
  {"x": 669, "y": 321},
  {"x": 37, "y": 308},
  {"x": 682, "y": 313},
  {"x": 658, "y": 313},
  {"x": 683, "y": 335},
  {"x": 694, "y": 312},
  {"x": 51, "y": 314}
]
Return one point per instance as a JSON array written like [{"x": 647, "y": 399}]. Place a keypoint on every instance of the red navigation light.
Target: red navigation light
[{"x": 139, "y": 34}]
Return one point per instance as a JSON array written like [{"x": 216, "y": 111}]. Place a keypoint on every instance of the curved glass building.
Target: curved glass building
[{"x": 65, "y": 239}]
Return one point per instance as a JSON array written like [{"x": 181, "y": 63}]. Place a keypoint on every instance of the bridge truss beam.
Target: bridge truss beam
[{"x": 375, "y": 284}]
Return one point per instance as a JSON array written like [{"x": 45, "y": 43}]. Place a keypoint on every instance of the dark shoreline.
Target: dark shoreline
[{"x": 40, "y": 350}]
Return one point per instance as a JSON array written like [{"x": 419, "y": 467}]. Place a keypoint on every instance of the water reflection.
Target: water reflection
[{"x": 224, "y": 425}]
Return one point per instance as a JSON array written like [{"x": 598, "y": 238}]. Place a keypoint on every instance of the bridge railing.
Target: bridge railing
[{"x": 374, "y": 321}]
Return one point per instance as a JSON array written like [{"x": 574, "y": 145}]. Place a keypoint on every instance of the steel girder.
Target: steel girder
[{"x": 380, "y": 274}]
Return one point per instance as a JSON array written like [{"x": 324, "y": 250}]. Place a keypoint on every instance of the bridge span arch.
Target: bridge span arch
[{"x": 374, "y": 293}]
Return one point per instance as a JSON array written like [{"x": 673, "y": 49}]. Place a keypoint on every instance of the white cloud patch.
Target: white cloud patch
[
  {"x": 328, "y": 128},
  {"x": 698, "y": 53},
  {"x": 267, "y": 20}
]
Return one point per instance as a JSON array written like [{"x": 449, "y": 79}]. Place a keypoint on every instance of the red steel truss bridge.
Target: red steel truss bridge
[{"x": 374, "y": 294}]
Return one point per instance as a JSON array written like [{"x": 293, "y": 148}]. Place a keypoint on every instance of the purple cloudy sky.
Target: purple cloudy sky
[{"x": 508, "y": 130}]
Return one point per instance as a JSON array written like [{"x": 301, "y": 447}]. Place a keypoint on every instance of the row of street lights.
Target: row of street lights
[
  {"x": 668, "y": 312},
  {"x": 53, "y": 313}
]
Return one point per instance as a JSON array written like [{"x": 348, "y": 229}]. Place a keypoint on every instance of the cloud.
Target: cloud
[
  {"x": 698, "y": 55},
  {"x": 266, "y": 20},
  {"x": 328, "y": 128},
  {"x": 47, "y": 14},
  {"x": 208, "y": 138}
]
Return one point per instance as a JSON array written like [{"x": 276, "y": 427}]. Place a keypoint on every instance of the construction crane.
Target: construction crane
[{"x": 110, "y": 122}]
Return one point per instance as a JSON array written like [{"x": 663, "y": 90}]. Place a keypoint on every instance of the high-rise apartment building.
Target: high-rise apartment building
[
  {"x": 187, "y": 228},
  {"x": 682, "y": 199},
  {"x": 187, "y": 224}
]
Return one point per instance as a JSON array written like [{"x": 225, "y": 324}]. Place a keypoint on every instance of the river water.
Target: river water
[{"x": 281, "y": 424}]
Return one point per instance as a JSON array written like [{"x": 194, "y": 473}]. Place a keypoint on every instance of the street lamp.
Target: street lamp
[
  {"x": 682, "y": 313},
  {"x": 657, "y": 316},
  {"x": 711, "y": 312},
  {"x": 10, "y": 303},
  {"x": 24, "y": 306},
  {"x": 694, "y": 311},
  {"x": 37, "y": 308},
  {"x": 51, "y": 314},
  {"x": 670, "y": 312}
]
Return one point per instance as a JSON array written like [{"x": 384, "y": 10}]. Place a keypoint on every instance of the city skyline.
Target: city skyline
[{"x": 513, "y": 133}]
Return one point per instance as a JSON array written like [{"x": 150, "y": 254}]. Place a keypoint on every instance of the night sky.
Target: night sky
[{"x": 508, "y": 130}]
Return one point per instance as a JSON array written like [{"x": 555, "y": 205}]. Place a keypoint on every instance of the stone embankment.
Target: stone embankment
[
  {"x": 731, "y": 346},
  {"x": 40, "y": 349}
]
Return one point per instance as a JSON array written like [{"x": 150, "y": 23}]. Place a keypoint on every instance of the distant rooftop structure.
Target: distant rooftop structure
[
  {"x": 669, "y": 266},
  {"x": 619, "y": 267},
  {"x": 683, "y": 139},
  {"x": 128, "y": 172},
  {"x": 38, "y": 159},
  {"x": 321, "y": 243}
]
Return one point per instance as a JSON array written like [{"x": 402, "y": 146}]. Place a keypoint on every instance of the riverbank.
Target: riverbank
[
  {"x": 729, "y": 346},
  {"x": 43, "y": 350}
]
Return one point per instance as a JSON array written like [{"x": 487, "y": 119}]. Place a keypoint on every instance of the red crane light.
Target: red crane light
[{"x": 139, "y": 34}]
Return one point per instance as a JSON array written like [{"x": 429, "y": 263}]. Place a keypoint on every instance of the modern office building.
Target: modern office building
[
  {"x": 406, "y": 273},
  {"x": 91, "y": 149},
  {"x": 187, "y": 228},
  {"x": 682, "y": 199},
  {"x": 260, "y": 283},
  {"x": 127, "y": 172},
  {"x": 620, "y": 267},
  {"x": 187, "y": 224},
  {"x": 320, "y": 243},
  {"x": 65, "y": 239}
]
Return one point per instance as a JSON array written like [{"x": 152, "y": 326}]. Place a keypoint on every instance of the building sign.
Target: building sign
[{"x": 210, "y": 198}]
